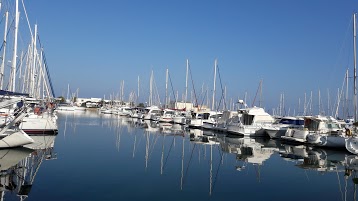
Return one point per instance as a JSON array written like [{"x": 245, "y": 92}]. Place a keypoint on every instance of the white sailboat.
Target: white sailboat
[{"x": 351, "y": 142}]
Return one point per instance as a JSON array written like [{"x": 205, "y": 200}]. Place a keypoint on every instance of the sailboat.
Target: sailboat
[{"x": 351, "y": 143}]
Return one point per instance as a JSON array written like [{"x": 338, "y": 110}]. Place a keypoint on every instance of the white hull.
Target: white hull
[
  {"x": 38, "y": 124},
  {"x": 295, "y": 135},
  {"x": 11, "y": 157},
  {"x": 180, "y": 120},
  {"x": 137, "y": 116},
  {"x": 66, "y": 108},
  {"x": 196, "y": 123},
  {"x": 352, "y": 145},
  {"x": 247, "y": 130},
  {"x": 324, "y": 140},
  {"x": 42, "y": 142},
  {"x": 166, "y": 119},
  {"x": 214, "y": 127},
  {"x": 275, "y": 132},
  {"x": 16, "y": 139}
]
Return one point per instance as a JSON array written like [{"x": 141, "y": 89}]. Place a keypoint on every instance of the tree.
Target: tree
[{"x": 61, "y": 99}]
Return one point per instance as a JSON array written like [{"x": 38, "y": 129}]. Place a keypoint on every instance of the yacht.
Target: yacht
[
  {"x": 167, "y": 116},
  {"x": 280, "y": 126},
  {"x": 333, "y": 134},
  {"x": 152, "y": 113},
  {"x": 251, "y": 120}
]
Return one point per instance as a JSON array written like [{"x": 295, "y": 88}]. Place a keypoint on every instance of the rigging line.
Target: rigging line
[
  {"x": 166, "y": 159},
  {"x": 17, "y": 69},
  {"x": 187, "y": 167},
  {"x": 345, "y": 38},
  {"x": 152, "y": 148},
  {"x": 46, "y": 67},
  {"x": 27, "y": 18},
  {"x": 222, "y": 90},
  {"x": 171, "y": 84},
  {"x": 7, "y": 33},
  {"x": 2, "y": 19},
  {"x": 339, "y": 184},
  {"x": 192, "y": 83},
  {"x": 217, "y": 171},
  {"x": 157, "y": 93},
  {"x": 258, "y": 88},
  {"x": 202, "y": 102}
]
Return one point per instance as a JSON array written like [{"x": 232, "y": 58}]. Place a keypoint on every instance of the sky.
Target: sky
[{"x": 294, "y": 47}]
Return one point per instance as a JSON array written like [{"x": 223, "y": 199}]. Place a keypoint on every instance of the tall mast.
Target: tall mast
[
  {"x": 166, "y": 89},
  {"x": 3, "y": 53},
  {"x": 68, "y": 91},
  {"x": 138, "y": 89},
  {"x": 214, "y": 89},
  {"x": 319, "y": 101},
  {"x": 186, "y": 81},
  {"x": 14, "y": 56},
  {"x": 34, "y": 58},
  {"x": 151, "y": 89},
  {"x": 260, "y": 100},
  {"x": 345, "y": 114},
  {"x": 122, "y": 92},
  {"x": 355, "y": 67}
]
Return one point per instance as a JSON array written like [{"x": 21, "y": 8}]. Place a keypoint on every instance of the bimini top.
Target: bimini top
[{"x": 253, "y": 111}]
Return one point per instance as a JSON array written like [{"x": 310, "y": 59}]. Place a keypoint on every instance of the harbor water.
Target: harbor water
[{"x": 108, "y": 157}]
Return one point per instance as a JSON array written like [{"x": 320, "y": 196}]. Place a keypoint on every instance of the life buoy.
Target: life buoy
[
  {"x": 37, "y": 110},
  {"x": 348, "y": 132}
]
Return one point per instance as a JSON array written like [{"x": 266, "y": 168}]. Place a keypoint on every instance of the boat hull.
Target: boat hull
[
  {"x": 324, "y": 140},
  {"x": 352, "y": 145},
  {"x": 16, "y": 139}
]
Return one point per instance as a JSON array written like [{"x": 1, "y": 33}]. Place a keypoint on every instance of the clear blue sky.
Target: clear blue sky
[{"x": 294, "y": 46}]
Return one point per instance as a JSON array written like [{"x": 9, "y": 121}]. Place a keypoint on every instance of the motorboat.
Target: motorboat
[
  {"x": 251, "y": 120},
  {"x": 280, "y": 126}
]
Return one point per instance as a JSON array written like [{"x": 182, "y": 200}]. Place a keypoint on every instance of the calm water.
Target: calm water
[{"x": 104, "y": 157}]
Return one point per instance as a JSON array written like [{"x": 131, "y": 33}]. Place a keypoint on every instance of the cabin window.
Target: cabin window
[
  {"x": 300, "y": 122},
  {"x": 218, "y": 116},
  {"x": 247, "y": 119},
  {"x": 287, "y": 121},
  {"x": 312, "y": 125},
  {"x": 333, "y": 126},
  {"x": 206, "y": 115}
]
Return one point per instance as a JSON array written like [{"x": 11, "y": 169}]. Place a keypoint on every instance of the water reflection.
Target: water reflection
[
  {"x": 312, "y": 158},
  {"x": 19, "y": 167},
  {"x": 184, "y": 160},
  {"x": 250, "y": 150}
]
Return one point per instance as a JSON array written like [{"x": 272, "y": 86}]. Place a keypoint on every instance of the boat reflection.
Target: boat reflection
[
  {"x": 250, "y": 150},
  {"x": 19, "y": 166},
  {"x": 9, "y": 158},
  {"x": 322, "y": 160}
]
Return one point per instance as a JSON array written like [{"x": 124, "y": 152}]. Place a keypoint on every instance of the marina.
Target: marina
[
  {"x": 180, "y": 100},
  {"x": 117, "y": 157}
]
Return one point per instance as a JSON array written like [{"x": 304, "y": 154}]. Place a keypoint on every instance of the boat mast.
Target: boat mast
[
  {"x": 151, "y": 89},
  {"x": 3, "y": 53},
  {"x": 355, "y": 67},
  {"x": 260, "y": 100},
  {"x": 166, "y": 89},
  {"x": 214, "y": 89},
  {"x": 34, "y": 57},
  {"x": 319, "y": 101},
  {"x": 68, "y": 91},
  {"x": 14, "y": 56},
  {"x": 346, "y": 102},
  {"x": 186, "y": 81},
  {"x": 138, "y": 89}
]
